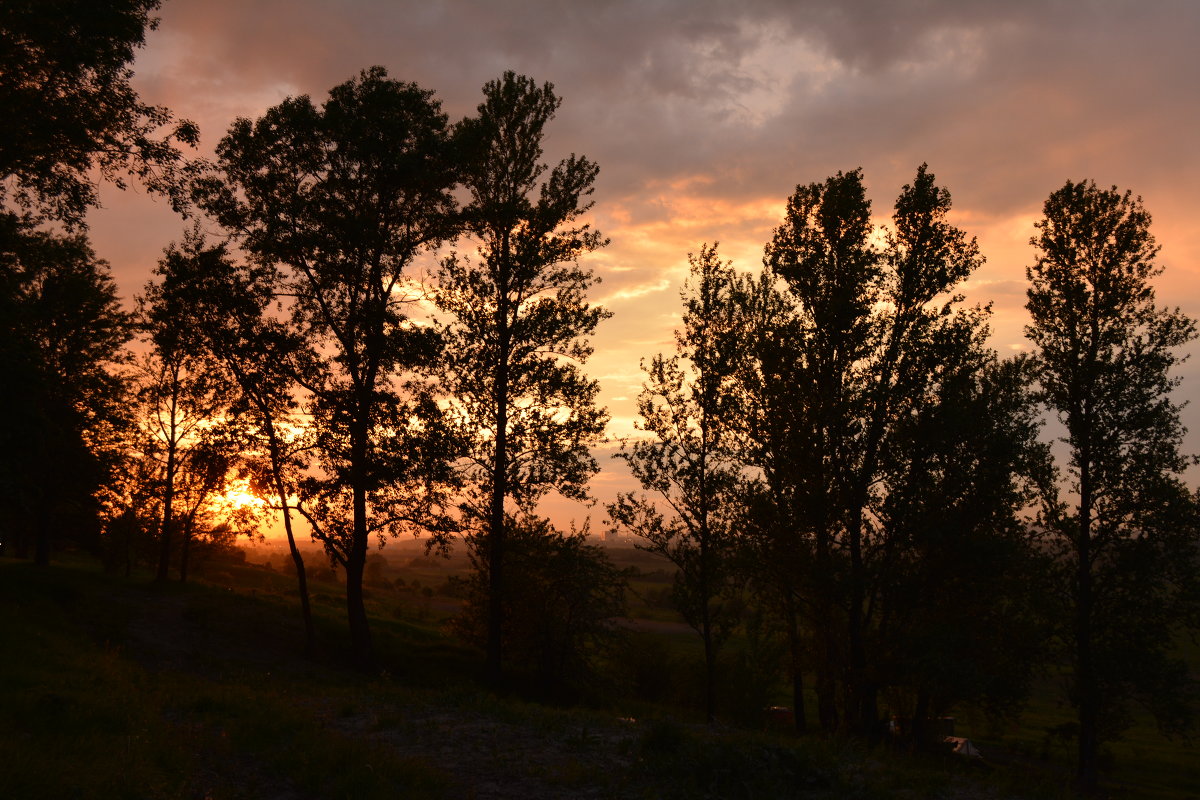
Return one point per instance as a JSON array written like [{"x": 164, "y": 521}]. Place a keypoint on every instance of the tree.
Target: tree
[
  {"x": 341, "y": 199},
  {"x": 228, "y": 307},
  {"x": 961, "y": 585},
  {"x": 71, "y": 116},
  {"x": 690, "y": 461},
  {"x": 519, "y": 324},
  {"x": 62, "y": 338},
  {"x": 563, "y": 597},
  {"x": 185, "y": 403},
  {"x": 1125, "y": 534},
  {"x": 851, "y": 357}
]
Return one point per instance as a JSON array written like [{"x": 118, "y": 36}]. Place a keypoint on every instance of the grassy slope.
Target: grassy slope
[{"x": 113, "y": 689}]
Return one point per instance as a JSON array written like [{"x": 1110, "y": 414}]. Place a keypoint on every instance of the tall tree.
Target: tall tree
[
  {"x": 341, "y": 199},
  {"x": 778, "y": 539},
  {"x": 71, "y": 116},
  {"x": 519, "y": 323},
  {"x": 1125, "y": 533},
  {"x": 62, "y": 339},
  {"x": 960, "y": 583},
  {"x": 185, "y": 403},
  {"x": 689, "y": 463},
  {"x": 229, "y": 308},
  {"x": 855, "y": 357}
]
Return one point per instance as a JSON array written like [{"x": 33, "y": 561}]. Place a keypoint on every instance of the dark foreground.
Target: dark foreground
[{"x": 116, "y": 689}]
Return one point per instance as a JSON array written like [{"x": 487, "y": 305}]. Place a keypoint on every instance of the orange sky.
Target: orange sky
[{"x": 705, "y": 115}]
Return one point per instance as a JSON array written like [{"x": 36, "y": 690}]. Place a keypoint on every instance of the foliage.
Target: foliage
[
  {"x": 189, "y": 436},
  {"x": 562, "y": 596},
  {"x": 1125, "y": 534},
  {"x": 71, "y": 116},
  {"x": 518, "y": 323},
  {"x": 341, "y": 199},
  {"x": 963, "y": 599},
  {"x": 689, "y": 462},
  {"x": 849, "y": 350},
  {"x": 63, "y": 335}
]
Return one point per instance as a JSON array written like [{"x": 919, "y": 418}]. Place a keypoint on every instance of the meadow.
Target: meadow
[{"x": 116, "y": 688}]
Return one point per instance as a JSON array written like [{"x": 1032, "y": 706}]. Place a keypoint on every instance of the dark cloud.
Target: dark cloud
[{"x": 704, "y": 115}]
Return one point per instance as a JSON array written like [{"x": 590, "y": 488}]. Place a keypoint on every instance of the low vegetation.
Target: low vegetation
[{"x": 127, "y": 688}]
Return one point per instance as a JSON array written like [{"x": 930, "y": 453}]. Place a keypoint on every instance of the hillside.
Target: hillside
[{"x": 124, "y": 689}]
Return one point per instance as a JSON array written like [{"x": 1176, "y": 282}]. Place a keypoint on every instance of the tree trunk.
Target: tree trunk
[
  {"x": 185, "y": 549},
  {"x": 496, "y": 531},
  {"x": 310, "y": 639},
  {"x": 1085, "y": 673},
  {"x": 356, "y": 559},
  {"x": 796, "y": 660},
  {"x": 827, "y": 661},
  {"x": 710, "y": 667},
  {"x": 164, "y": 552}
]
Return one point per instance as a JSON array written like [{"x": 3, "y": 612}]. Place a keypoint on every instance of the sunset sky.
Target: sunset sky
[{"x": 704, "y": 116}]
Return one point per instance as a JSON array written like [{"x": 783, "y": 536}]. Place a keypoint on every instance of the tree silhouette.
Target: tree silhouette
[
  {"x": 62, "y": 338},
  {"x": 960, "y": 586},
  {"x": 228, "y": 308},
  {"x": 71, "y": 116},
  {"x": 341, "y": 199},
  {"x": 852, "y": 351},
  {"x": 1125, "y": 533},
  {"x": 518, "y": 324},
  {"x": 185, "y": 402},
  {"x": 690, "y": 462}
]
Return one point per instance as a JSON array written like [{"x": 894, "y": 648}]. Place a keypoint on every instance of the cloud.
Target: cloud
[{"x": 704, "y": 115}]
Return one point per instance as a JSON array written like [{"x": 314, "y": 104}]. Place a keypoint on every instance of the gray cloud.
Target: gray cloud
[{"x": 705, "y": 114}]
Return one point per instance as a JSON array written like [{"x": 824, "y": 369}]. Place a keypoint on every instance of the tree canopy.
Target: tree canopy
[{"x": 71, "y": 115}]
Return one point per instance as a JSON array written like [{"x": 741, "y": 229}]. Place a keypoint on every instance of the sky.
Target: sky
[{"x": 704, "y": 116}]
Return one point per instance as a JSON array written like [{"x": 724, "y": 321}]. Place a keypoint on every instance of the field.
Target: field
[{"x": 116, "y": 688}]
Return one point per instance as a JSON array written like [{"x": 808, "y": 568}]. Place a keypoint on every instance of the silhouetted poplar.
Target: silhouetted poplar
[
  {"x": 688, "y": 462},
  {"x": 1124, "y": 535},
  {"x": 848, "y": 360},
  {"x": 518, "y": 325},
  {"x": 185, "y": 400}
]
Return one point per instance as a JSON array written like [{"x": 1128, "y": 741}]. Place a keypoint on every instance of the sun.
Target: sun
[{"x": 238, "y": 496}]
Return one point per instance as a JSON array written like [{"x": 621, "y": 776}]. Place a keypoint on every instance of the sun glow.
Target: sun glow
[{"x": 238, "y": 496}]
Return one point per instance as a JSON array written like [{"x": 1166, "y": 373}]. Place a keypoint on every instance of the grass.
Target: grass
[
  {"x": 124, "y": 689},
  {"x": 82, "y": 716}
]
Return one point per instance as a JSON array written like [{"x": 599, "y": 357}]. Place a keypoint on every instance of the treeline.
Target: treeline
[
  {"x": 832, "y": 456},
  {"x": 834, "y": 446}
]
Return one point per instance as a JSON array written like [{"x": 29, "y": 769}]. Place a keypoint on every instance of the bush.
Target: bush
[{"x": 561, "y": 598}]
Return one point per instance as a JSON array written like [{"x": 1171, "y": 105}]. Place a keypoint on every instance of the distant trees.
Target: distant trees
[
  {"x": 517, "y": 328},
  {"x": 1124, "y": 536},
  {"x": 690, "y": 463},
  {"x": 341, "y": 198}
]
